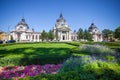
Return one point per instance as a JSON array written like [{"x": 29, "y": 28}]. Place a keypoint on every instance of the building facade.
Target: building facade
[
  {"x": 4, "y": 36},
  {"x": 62, "y": 30},
  {"x": 22, "y": 33},
  {"x": 96, "y": 34}
]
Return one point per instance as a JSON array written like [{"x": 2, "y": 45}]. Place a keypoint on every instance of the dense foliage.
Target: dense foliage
[
  {"x": 84, "y": 35},
  {"x": 44, "y": 36},
  {"x": 108, "y": 34},
  {"x": 89, "y": 68},
  {"x": 117, "y": 32},
  {"x": 83, "y": 68},
  {"x": 51, "y": 35}
]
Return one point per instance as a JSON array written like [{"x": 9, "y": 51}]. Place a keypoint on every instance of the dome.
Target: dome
[
  {"x": 92, "y": 26},
  {"x": 22, "y": 22},
  {"x": 61, "y": 19}
]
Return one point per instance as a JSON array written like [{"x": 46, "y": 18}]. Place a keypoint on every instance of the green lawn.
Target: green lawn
[
  {"x": 34, "y": 53},
  {"x": 42, "y": 53}
]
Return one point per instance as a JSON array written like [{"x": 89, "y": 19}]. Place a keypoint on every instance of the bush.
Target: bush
[
  {"x": 74, "y": 63},
  {"x": 98, "y": 49},
  {"x": 83, "y": 68},
  {"x": 99, "y": 52},
  {"x": 90, "y": 69},
  {"x": 72, "y": 75},
  {"x": 35, "y": 60},
  {"x": 103, "y": 70}
]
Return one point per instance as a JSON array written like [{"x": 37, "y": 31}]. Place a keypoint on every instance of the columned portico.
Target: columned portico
[{"x": 62, "y": 30}]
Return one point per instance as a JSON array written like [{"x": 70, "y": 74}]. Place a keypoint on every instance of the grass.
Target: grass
[
  {"x": 42, "y": 53},
  {"x": 34, "y": 53}
]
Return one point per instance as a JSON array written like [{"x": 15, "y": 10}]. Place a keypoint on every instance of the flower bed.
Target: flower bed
[{"x": 30, "y": 70}]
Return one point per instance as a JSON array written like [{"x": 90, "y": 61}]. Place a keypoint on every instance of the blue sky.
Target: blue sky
[{"x": 42, "y": 14}]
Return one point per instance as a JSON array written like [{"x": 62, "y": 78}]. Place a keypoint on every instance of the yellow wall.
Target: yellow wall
[
  {"x": 0, "y": 35},
  {"x": 4, "y": 36}
]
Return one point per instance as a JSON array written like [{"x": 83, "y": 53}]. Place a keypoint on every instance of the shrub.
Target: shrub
[
  {"x": 72, "y": 75},
  {"x": 74, "y": 63},
  {"x": 103, "y": 70},
  {"x": 83, "y": 68},
  {"x": 89, "y": 69},
  {"x": 99, "y": 52},
  {"x": 98, "y": 49}
]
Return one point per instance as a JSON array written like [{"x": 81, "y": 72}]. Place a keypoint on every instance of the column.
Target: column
[
  {"x": 67, "y": 36},
  {"x": 61, "y": 35}
]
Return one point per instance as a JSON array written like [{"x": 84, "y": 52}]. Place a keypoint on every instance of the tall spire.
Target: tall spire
[
  {"x": 23, "y": 18},
  {"x": 92, "y": 22},
  {"x": 61, "y": 15}
]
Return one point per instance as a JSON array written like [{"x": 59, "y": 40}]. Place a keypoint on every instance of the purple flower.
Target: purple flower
[{"x": 30, "y": 70}]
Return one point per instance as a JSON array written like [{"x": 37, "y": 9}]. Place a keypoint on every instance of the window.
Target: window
[
  {"x": 36, "y": 36},
  {"x": 32, "y": 36},
  {"x": 21, "y": 28},
  {"x": 26, "y": 36}
]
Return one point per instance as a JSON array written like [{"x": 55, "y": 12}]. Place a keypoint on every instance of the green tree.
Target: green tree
[
  {"x": 56, "y": 34},
  {"x": 107, "y": 34},
  {"x": 44, "y": 35},
  {"x": 50, "y": 35},
  {"x": 87, "y": 35},
  {"x": 80, "y": 34},
  {"x": 117, "y": 32},
  {"x": 11, "y": 37}
]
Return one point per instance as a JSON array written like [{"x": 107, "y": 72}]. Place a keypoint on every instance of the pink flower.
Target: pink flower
[{"x": 30, "y": 70}]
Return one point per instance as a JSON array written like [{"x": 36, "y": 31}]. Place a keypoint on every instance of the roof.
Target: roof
[
  {"x": 22, "y": 22},
  {"x": 61, "y": 19},
  {"x": 92, "y": 26}
]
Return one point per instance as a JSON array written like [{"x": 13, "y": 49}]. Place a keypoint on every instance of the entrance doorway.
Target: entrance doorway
[{"x": 63, "y": 37}]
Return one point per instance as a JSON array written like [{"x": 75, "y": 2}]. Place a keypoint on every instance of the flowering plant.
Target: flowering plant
[{"x": 30, "y": 70}]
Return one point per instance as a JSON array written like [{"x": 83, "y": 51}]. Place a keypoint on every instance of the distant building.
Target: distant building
[
  {"x": 1, "y": 35},
  {"x": 62, "y": 30},
  {"x": 96, "y": 34},
  {"x": 22, "y": 33},
  {"x": 74, "y": 36},
  {"x": 4, "y": 36}
]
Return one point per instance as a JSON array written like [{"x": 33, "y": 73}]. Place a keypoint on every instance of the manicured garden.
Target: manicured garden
[
  {"x": 60, "y": 61},
  {"x": 33, "y": 53}
]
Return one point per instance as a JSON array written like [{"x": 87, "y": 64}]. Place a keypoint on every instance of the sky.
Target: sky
[{"x": 42, "y": 14}]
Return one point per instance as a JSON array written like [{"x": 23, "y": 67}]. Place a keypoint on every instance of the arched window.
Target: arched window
[
  {"x": 32, "y": 36},
  {"x": 36, "y": 36}
]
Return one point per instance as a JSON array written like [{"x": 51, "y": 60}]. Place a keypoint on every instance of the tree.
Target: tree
[
  {"x": 50, "y": 35},
  {"x": 56, "y": 34},
  {"x": 11, "y": 37},
  {"x": 44, "y": 35},
  {"x": 107, "y": 34},
  {"x": 80, "y": 33},
  {"x": 87, "y": 35},
  {"x": 117, "y": 32}
]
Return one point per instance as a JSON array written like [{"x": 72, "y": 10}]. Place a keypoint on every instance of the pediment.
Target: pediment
[{"x": 65, "y": 29}]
